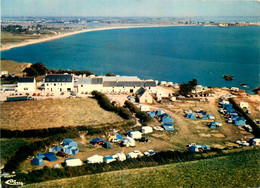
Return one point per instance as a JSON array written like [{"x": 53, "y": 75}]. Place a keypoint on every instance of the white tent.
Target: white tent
[
  {"x": 128, "y": 141},
  {"x": 95, "y": 159},
  {"x": 56, "y": 166},
  {"x": 135, "y": 134},
  {"x": 147, "y": 129},
  {"x": 73, "y": 162},
  {"x": 119, "y": 156}
]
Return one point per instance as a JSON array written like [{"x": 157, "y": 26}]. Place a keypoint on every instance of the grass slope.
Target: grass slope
[
  {"x": 41, "y": 114},
  {"x": 237, "y": 170},
  {"x": 13, "y": 67},
  {"x": 9, "y": 146}
]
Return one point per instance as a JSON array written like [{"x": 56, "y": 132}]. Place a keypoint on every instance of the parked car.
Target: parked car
[
  {"x": 239, "y": 142},
  {"x": 143, "y": 139},
  {"x": 62, "y": 154}
]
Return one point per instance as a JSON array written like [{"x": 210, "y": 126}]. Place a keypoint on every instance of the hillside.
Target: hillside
[
  {"x": 13, "y": 67},
  {"x": 235, "y": 170}
]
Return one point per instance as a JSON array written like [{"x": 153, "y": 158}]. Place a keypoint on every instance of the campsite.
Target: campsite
[{"x": 170, "y": 129}]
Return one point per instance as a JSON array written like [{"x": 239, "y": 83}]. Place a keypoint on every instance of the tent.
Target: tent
[
  {"x": 234, "y": 117},
  {"x": 191, "y": 116},
  {"x": 70, "y": 150},
  {"x": 159, "y": 112},
  {"x": 212, "y": 126},
  {"x": 147, "y": 129},
  {"x": 164, "y": 115},
  {"x": 205, "y": 147},
  {"x": 56, "y": 166},
  {"x": 135, "y": 134},
  {"x": 194, "y": 148},
  {"x": 95, "y": 159},
  {"x": 69, "y": 142},
  {"x": 38, "y": 161},
  {"x": 50, "y": 156},
  {"x": 167, "y": 120},
  {"x": 240, "y": 121},
  {"x": 151, "y": 114},
  {"x": 73, "y": 162},
  {"x": 106, "y": 144},
  {"x": 109, "y": 159},
  {"x": 204, "y": 117},
  {"x": 211, "y": 116},
  {"x": 96, "y": 141},
  {"x": 119, "y": 136},
  {"x": 226, "y": 106},
  {"x": 56, "y": 149},
  {"x": 168, "y": 127},
  {"x": 119, "y": 156}
]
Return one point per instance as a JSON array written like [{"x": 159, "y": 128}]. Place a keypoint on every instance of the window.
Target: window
[
  {"x": 47, "y": 84},
  {"x": 25, "y": 88},
  {"x": 81, "y": 85},
  {"x": 54, "y": 84}
]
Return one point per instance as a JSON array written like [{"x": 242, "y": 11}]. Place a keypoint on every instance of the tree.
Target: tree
[
  {"x": 40, "y": 68},
  {"x": 31, "y": 72},
  {"x": 185, "y": 89},
  {"x": 110, "y": 74}
]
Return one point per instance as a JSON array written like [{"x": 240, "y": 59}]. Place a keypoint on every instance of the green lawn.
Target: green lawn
[
  {"x": 236, "y": 170},
  {"x": 10, "y": 145}
]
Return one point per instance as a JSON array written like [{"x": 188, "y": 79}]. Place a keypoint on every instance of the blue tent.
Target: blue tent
[
  {"x": 240, "y": 121},
  {"x": 159, "y": 112},
  {"x": 204, "y": 116},
  {"x": 38, "y": 161},
  {"x": 164, "y": 115},
  {"x": 168, "y": 127},
  {"x": 212, "y": 126},
  {"x": 191, "y": 116},
  {"x": 205, "y": 147},
  {"x": 70, "y": 150},
  {"x": 167, "y": 119},
  {"x": 119, "y": 136},
  {"x": 106, "y": 145},
  {"x": 194, "y": 148},
  {"x": 226, "y": 106},
  {"x": 151, "y": 114},
  {"x": 69, "y": 142},
  {"x": 230, "y": 110},
  {"x": 95, "y": 141},
  {"x": 56, "y": 149},
  {"x": 234, "y": 117},
  {"x": 50, "y": 156}
]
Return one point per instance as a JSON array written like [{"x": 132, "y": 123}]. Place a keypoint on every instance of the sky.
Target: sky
[{"x": 130, "y": 8}]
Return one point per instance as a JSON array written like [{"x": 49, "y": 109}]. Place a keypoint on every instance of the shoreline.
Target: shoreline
[{"x": 26, "y": 43}]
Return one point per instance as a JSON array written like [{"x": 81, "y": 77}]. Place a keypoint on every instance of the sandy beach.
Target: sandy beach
[{"x": 29, "y": 42}]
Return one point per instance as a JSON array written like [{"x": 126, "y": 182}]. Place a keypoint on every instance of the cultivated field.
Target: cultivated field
[
  {"x": 238, "y": 170},
  {"x": 13, "y": 67},
  {"x": 41, "y": 114}
]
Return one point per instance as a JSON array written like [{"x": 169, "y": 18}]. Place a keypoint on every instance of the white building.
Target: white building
[
  {"x": 26, "y": 84},
  {"x": 59, "y": 83},
  {"x": 117, "y": 84}
]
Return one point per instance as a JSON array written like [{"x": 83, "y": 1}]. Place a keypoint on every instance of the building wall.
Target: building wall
[
  {"x": 26, "y": 87},
  {"x": 83, "y": 88},
  {"x": 59, "y": 86},
  {"x": 146, "y": 98}
]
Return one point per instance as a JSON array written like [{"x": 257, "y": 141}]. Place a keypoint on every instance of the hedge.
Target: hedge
[
  {"x": 256, "y": 129},
  {"x": 145, "y": 119},
  {"x": 105, "y": 103}
]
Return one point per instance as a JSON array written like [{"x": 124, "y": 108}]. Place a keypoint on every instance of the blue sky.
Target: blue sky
[{"x": 131, "y": 8}]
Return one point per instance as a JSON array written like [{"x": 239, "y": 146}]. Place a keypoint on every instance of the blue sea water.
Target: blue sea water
[{"x": 176, "y": 54}]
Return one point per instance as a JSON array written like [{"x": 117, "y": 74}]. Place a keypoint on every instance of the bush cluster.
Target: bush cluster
[
  {"x": 144, "y": 117},
  {"x": 256, "y": 129},
  {"x": 105, "y": 103}
]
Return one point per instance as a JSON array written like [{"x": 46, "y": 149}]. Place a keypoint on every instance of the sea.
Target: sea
[{"x": 174, "y": 54}]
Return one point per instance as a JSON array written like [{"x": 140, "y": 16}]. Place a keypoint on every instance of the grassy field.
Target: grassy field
[
  {"x": 13, "y": 67},
  {"x": 238, "y": 170},
  {"x": 41, "y": 114},
  {"x": 9, "y": 38},
  {"x": 9, "y": 146}
]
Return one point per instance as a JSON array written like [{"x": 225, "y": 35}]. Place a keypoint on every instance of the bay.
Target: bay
[{"x": 176, "y": 54}]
